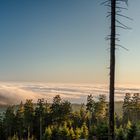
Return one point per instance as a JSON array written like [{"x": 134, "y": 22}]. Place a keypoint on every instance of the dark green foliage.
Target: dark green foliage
[
  {"x": 76, "y": 119},
  {"x": 20, "y": 120},
  {"x": 102, "y": 131},
  {"x": 1, "y": 128},
  {"x": 39, "y": 117},
  {"x": 98, "y": 110},
  {"x": 15, "y": 137},
  {"x": 57, "y": 121},
  {"x": 131, "y": 132},
  {"x": 9, "y": 122},
  {"x": 28, "y": 117},
  {"x": 47, "y": 134},
  {"x": 84, "y": 131},
  {"x": 131, "y": 108},
  {"x": 60, "y": 110},
  {"x": 120, "y": 133},
  {"x": 77, "y": 133},
  {"x": 101, "y": 109},
  {"x": 55, "y": 133},
  {"x": 118, "y": 120},
  {"x": 90, "y": 103},
  {"x": 71, "y": 134},
  {"x": 127, "y": 107}
]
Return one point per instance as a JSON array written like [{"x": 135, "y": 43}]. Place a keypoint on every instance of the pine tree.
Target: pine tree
[
  {"x": 100, "y": 112},
  {"x": 72, "y": 134},
  {"x": 102, "y": 131},
  {"x": 15, "y": 137},
  {"x": 131, "y": 132},
  {"x": 65, "y": 110},
  {"x": 56, "y": 109},
  {"x": 127, "y": 107},
  {"x": 47, "y": 134},
  {"x": 9, "y": 121},
  {"x": 28, "y": 117},
  {"x": 90, "y": 107},
  {"x": 60, "y": 110},
  {"x": 90, "y": 103},
  {"x": 77, "y": 133},
  {"x": 40, "y": 113},
  {"x": 120, "y": 133},
  {"x": 20, "y": 120},
  {"x": 1, "y": 127},
  {"x": 135, "y": 107},
  {"x": 84, "y": 131}
]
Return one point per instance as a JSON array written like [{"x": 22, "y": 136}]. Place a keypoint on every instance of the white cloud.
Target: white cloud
[{"x": 14, "y": 93}]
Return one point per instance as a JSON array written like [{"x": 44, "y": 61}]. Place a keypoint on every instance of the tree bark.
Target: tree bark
[
  {"x": 112, "y": 70},
  {"x": 40, "y": 128}
]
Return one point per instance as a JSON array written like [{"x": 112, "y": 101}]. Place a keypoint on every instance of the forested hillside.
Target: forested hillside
[{"x": 61, "y": 121}]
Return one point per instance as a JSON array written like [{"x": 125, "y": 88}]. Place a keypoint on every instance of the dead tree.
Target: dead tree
[
  {"x": 115, "y": 10},
  {"x": 112, "y": 69}
]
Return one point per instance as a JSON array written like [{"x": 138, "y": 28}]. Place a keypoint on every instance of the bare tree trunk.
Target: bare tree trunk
[
  {"x": 28, "y": 132},
  {"x": 112, "y": 70},
  {"x": 40, "y": 128}
]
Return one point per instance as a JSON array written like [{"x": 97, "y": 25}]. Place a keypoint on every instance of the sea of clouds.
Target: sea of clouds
[{"x": 14, "y": 93}]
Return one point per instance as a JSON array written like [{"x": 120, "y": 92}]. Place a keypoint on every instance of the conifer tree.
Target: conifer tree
[
  {"x": 131, "y": 132},
  {"x": 40, "y": 112},
  {"x": 127, "y": 107},
  {"x": 120, "y": 133},
  {"x": 84, "y": 131},
  {"x": 47, "y": 134},
  {"x": 28, "y": 117},
  {"x": 9, "y": 121},
  {"x": 77, "y": 133}
]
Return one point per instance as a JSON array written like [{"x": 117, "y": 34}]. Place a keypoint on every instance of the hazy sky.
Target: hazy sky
[{"x": 64, "y": 41}]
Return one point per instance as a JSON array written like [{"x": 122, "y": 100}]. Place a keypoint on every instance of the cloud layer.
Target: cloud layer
[{"x": 14, "y": 93}]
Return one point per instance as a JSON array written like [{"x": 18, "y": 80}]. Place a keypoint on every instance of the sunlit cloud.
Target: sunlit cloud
[{"x": 14, "y": 93}]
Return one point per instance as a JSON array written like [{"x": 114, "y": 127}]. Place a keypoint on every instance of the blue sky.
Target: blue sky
[{"x": 63, "y": 41}]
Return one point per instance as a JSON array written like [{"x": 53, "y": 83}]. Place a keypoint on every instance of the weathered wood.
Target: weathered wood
[{"x": 112, "y": 70}]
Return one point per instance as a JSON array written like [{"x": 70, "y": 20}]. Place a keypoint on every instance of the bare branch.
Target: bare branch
[
  {"x": 117, "y": 34},
  {"x": 108, "y": 15},
  {"x": 123, "y": 27},
  {"x": 122, "y": 47},
  {"x": 103, "y": 3},
  {"x": 126, "y": 1},
  {"x": 124, "y": 16},
  {"x": 126, "y": 27},
  {"x": 108, "y": 38},
  {"x": 118, "y": 7},
  {"x": 107, "y": 5}
]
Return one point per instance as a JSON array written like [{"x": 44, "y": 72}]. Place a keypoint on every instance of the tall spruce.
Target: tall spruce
[
  {"x": 28, "y": 117},
  {"x": 40, "y": 111}
]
